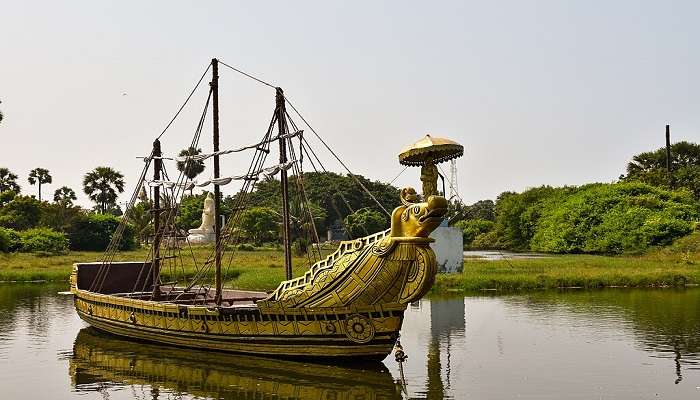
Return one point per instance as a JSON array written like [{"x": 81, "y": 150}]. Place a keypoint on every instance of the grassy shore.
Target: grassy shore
[
  {"x": 261, "y": 269},
  {"x": 674, "y": 265}
]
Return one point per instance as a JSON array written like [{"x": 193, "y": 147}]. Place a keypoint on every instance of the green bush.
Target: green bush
[
  {"x": 366, "y": 221},
  {"x": 614, "y": 218},
  {"x": 43, "y": 240},
  {"x": 93, "y": 232},
  {"x": 486, "y": 241},
  {"x": 472, "y": 228},
  {"x": 246, "y": 247},
  {"x": 9, "y": 240},
  {"x": 23, "y": 212},
  {"x": 300, "y": 246},
  {"x": 518, "y": 214},
  {"x": 189, "y": 214},
  {"x": 259, "y": 224}
]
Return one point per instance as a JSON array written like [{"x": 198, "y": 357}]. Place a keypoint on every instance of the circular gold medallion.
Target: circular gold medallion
[{"x": 359, "y": 329}]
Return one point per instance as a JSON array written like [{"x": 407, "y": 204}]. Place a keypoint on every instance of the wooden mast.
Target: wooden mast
[
  {"x": 217, "y": 194},
  {"x": 282, "y": 128},
  {"x": 155, "y": 260}
]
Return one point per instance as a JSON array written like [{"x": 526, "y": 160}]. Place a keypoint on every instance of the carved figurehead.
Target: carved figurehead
[
  {"x": 415, "y": 219},
  {"x": 396, "y": 266}
]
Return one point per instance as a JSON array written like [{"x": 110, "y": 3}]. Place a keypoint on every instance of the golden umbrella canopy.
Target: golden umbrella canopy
[{"x": 430, "y": 150}]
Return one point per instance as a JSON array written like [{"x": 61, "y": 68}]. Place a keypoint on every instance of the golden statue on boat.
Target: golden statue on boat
[{"x": 350, "y": 304}]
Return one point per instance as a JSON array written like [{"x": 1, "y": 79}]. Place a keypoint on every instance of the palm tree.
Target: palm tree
[
  {"x": 64, "y": 196},
  {"x": 39, "y": 176},
  {"x": 102, "y": 184},
  {"x": 140, "y": 216},
  {"x": 8, "y": 181},
  {"x": 191, "y": 168}
]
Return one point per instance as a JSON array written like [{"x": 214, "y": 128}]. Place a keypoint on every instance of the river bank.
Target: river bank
[
  {"x": 261, "y": 269},
  {"x": 674, "y": 265}
]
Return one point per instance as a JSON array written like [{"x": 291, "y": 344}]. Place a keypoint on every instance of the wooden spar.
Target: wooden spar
[
  {"x": 668, "y": 155},
  {"x": 155, "y": 261},
  {"x": 217, "y": 194},
  {"x": 282, "y": 128}
]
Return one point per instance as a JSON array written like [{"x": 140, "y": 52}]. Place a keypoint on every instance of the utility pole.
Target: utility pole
[{"x": 668, "y": 156}]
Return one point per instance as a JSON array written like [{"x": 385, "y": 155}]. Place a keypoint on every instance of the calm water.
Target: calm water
[{"x": 614, "y": 344}]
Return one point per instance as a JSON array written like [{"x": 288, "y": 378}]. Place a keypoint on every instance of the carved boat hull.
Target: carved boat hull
[
  {"x": 326, "y": 333},
  {"x": 349, "y": 305}
]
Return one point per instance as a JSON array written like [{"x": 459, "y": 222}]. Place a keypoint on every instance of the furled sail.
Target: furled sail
[{"x": 266, "y": 172}]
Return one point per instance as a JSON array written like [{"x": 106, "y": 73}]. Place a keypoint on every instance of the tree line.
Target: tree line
[
  {"x": 332, "y": 200},
  {"x": 35, "y": 225},
  {"x": 646, "y": 207}
]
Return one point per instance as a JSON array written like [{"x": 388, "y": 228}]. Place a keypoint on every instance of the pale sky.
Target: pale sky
[{"x": 538, "y": 92}]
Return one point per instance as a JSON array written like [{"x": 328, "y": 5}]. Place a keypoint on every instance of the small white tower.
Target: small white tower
[{"x": 454, "y": 191}]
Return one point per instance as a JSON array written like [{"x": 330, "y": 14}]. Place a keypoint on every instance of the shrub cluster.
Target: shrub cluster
[
  {"x": 597, "y": 218},
  {"x": 93, "y": 232},
  {"x": 28, "y": 225},
  {"x": 9, "y": 240},
  {"x": 35, "y": 240},
  {"x": 43, "y": 240},
  {"x": 472, "y": 229}
]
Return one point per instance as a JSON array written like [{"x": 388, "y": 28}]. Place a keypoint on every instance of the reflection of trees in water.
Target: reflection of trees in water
[
  {"x": 28, "y": 304},
  {"x": 446, "y": 320},
  {"x": 665, "y": 322},
  {"x": 102, "y": 363}
]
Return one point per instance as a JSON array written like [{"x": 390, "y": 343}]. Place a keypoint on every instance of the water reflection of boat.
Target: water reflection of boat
[
  {"x": 100, "y": 360},
  {"x": 447, "y": 319}
]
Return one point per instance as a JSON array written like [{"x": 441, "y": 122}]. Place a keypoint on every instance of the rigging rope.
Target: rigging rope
[
  {"x": 332, "y": 198},
  {"x": 175, "y": 189},
  {"x": 451, "y": 187},
  {"x": 336, "y": 157},
  {"x": 248, "y": 75},
  {"x": 172, "y": 211},
  {"x": 186, "y": 100},
  {"x": 397, "y": 176}
]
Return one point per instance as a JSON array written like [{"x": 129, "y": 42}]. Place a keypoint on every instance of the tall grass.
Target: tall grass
[
  {"x": 674, "y": 265},
  {"x": 256, "y": 270}
]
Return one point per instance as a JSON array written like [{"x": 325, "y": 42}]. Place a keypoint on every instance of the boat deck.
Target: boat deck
[
  {"x": 202, "y": 296},
  {"x": 120, "y": 279}
]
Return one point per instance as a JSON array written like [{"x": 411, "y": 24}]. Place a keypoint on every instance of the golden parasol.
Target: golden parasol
[
  {"x": 430, "y": 150},
  {"x": 426, "y": 153}
]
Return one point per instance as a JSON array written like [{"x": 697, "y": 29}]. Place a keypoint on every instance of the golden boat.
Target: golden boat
[{"x": 350, "y": 304}]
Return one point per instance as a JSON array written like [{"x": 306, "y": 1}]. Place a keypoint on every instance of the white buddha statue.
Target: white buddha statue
[{"x": 205, "y": 232}]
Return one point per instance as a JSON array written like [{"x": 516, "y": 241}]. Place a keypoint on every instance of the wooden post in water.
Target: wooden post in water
[
  {"x": 155, "y": 261},
  {"x": 217, "y": 193},
  {"x": 282, "y": 128},
  {"x": 668, "y": 156}
]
